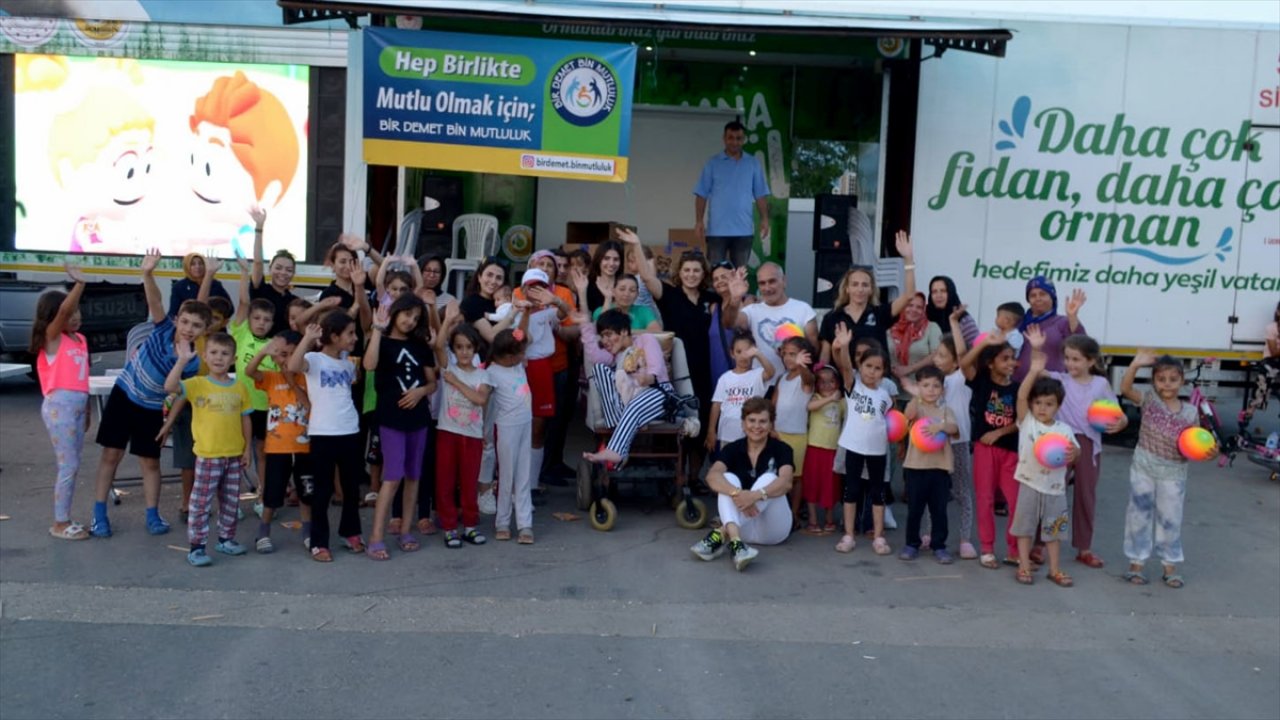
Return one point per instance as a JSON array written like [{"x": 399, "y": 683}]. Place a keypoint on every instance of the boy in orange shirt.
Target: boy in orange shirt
[{"x": 287, "y": 445}]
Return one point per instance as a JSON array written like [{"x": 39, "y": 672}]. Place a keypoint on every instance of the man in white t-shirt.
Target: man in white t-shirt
[{"x": 774, "y": 311}]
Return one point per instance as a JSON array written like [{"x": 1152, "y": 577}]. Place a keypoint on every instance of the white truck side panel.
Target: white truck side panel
[{"x": 1004, "y": 191}]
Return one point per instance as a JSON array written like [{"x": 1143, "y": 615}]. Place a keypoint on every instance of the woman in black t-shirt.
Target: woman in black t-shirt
[
  {"x": 606, "y": 265},
  {"x": 751, "y": 478},
  {"x": 687, "y": 309},
  {"x": 282, "y": 267},
  {"x": 478, "y": 303},
  {"x": 857, "y": 302}
]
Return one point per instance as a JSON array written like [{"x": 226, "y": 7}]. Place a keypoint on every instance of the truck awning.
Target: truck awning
[{"x": 829, "y": 19}]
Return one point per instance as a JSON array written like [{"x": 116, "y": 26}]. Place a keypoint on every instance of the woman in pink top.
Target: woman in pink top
[
  {"x": 62, "y": 361},
  {"x": 629, "y": 371}
]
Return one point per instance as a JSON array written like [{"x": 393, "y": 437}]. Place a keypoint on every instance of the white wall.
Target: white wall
[
  {"x": 1180, "y": 79},
  {"x": 669, "y": 146}
]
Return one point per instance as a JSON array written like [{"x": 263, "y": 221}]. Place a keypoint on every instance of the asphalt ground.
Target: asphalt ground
[{"x": 621, "y": 624}]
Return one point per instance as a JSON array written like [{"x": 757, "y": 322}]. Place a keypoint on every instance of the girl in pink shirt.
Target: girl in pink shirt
[{"x": 62, "y": 362}]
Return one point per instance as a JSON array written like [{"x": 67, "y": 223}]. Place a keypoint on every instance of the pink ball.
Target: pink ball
[
  {"x": 1102, "y": 414},
  {"x": 927, "y": 435},
  {"x": 1051, "y": 450},
  {"x": 896, "y": 424},
  {"x": 1197, "y": 444}
]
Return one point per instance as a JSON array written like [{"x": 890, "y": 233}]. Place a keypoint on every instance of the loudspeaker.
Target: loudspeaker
[
  {"x": 829, "y": 267},
  {"x": 831, "y": 221},
  {"x": 441, "y": 205}
]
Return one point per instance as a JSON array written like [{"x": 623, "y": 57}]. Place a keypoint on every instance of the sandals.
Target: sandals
[
  {"x": 355, "y": 544},
  {"x": 426, "y": 527},
  {"x": 1061, "y": 579},
  {"x": 813, "y": 529},
  {"x": 74, "y": 531},
  {"x": 1135, "y": 577},
  {"x": 846, "y": 544},
  {"x": 881, "y": 546},
  {"x": 1173, "y": 580},
  {"x": 474, "y": 537},
  {"x": 377, "y": 551},
  {"x": 1037, "y": 555},
  {"x": 1025, "y": 577},
  {"x": 1011, "y": 561},
  {"x": 967, "y": 552},
  {"x": 321, "y": 555},
  {"x": 525, "y": 536},
  {"x": 1088, "y": 558},
  {"x": 408, "y": 543},
  {"x": 452, "y": 539},
  {"x": 829, "y": 529},
  {"x": 370, "y": 500},
  {"x": 502, "y": 535},
  {"x": 394, "y": 526},
  {"x": 988, "y": 561}
]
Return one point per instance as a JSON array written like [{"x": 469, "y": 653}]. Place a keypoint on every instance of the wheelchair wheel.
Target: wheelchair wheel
[
  {"x": 603, "y": 514},
  {"x": 691, "y": 514},
  {"x": 584, "y": 484}
]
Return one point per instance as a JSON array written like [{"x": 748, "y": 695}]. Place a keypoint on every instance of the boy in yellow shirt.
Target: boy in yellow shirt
[{"x": 223, "y": 438}]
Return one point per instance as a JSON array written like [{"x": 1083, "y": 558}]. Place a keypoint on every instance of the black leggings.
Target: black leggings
[
  {"x": 874, "y": 486},
  {"x": 345, "y": 455}
]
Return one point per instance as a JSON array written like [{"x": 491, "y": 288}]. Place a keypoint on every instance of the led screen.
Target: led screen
[{"x": 120, "y": 155}]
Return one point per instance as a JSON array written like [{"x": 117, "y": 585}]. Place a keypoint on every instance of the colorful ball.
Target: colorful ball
[
  {"x": 1103, "y": 414},
  {"x": 1197, "y": 444},
  {"x": 927, "y": 435},
  {"x": 896, "y": 423},
  {"x": 1051, "y": 450},
  {"x": 786, "y": 331}
]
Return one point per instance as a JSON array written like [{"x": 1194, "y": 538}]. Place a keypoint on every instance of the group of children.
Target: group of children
[{"x": 440, "y": 392}]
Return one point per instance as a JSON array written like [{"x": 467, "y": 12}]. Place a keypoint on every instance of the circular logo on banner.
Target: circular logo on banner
[
  {"x": 890, "y": 46},
  {"x": 28, "y": 33},
  {"x": 583, "y": 91},
  {"x": 100, "y": 33}
]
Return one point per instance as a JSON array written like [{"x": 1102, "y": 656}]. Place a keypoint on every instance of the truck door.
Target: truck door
[{"x": 1259, "y": 243}]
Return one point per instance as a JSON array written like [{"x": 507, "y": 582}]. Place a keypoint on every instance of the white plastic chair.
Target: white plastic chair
[
  {"x": 480, "y": 235},
  {"x": 891, "y": 275}
]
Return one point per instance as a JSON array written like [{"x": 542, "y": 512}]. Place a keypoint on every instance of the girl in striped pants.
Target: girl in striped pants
[{"x": 628, "y": 370}]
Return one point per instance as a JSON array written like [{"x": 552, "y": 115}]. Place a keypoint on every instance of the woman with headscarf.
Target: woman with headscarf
[
  {"x": 193, "y": 268},
  {"x": 913, "y": 339},
  {"x": 943, "y": 299},
  {"x": 1042, "y": 302}
]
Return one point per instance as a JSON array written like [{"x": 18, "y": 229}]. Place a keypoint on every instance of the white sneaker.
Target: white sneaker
[
  {"x": 889, "y": 522},
  {"x": 488, "y": 503}
]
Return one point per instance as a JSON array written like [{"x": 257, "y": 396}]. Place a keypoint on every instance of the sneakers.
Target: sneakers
[
  {"x": 909, "y": 553},
  {"x": 743, "y": 554},
  {"x": 258, "y": 508},
  {"x": 488, "y": 503},
  {"x": 943, "y": 557},
  {"x": 710, "y": 547},
  {"x": 199, "y": 558},
  {"x": 230, "y": 547},
  {"x": 156, "y": 525},
  {"x": 264, "y": 546},
  {"x": 100, "y": 527},
  {"x": 889, "y": 522}
]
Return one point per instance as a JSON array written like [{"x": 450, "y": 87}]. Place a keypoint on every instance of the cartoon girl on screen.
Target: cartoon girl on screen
[
  {"x": 101, "y": 155},
  {"x": 245, "y": 153}
]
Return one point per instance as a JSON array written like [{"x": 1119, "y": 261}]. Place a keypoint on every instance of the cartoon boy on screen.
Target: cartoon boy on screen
[
  {"x": 101, "y": 155},
  {"x": 245, "y": 153}
]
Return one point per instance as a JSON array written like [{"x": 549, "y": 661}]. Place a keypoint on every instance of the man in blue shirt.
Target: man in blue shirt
[{"x": 731, "y": 182}]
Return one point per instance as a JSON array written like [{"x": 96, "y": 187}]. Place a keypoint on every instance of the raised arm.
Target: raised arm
[
  {"x": 647, "y": 274},
  {"x": 1035, "y": 339},
  {"x": 69, "y": 305},
  {"x": 361, "y": 313},
  {"x": 173, "y": 381},
  {"x": 1074, "y": 303},
  {"x": 1144, "y": 358},
  {"x": 593, "y": 354},
  {"x": 968, "y": 361},
  {"x": 259, "y": 220},
  {"x": 441, "y": 340},
  {"x": 840, "y": 354},
  {"x": 242, "y": 306},
  {"x": 298, "y": 360},
  {"x": 211, "y": 263},
  {"x": 155, "y": 305},
  {"x": 371, "y": 352},
  {"x": 957, "y": 330},
  {"x": 764, "y": 363},
  {"x": 731, "y": 315},
  {"x": 903, "y": 243},
  {"x": 253, "y": 369}
]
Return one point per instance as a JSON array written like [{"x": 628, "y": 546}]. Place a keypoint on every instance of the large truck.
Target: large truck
[{"x": 1140, "y": 164}]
